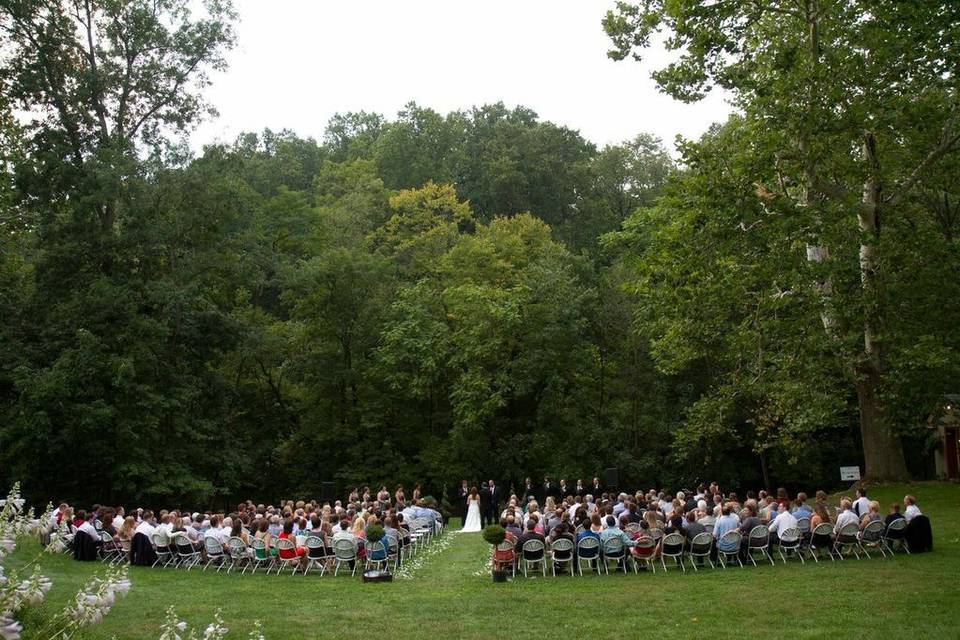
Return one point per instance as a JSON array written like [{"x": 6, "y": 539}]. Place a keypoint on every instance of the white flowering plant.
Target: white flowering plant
[{"x": 174, "y": 628}]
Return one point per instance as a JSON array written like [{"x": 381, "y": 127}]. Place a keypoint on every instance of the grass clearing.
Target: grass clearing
[{"x": 451, "y": 595}]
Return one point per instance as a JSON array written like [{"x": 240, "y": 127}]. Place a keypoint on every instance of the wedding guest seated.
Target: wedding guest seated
[
  {"x": 847, "y": 516},
  {"x": 872, "y": 515},
  {"x": 237, "y": 531},
  {"x": 912, "y": 510},
  {"x": 802, "y": 510},
  {"x": 287, "y": 534},
  {"x": 894, "y": 514},
  {"x": 613, "y": 531},
  {"x": 216, "y": 532},
  {"x": 263, "y": 533},
  {"x": 529, "y": 534},
  {"x": 726, "y": 522},
  {"x": 693, "y": 527},
  {"x": 820, "y": 515},
  {"x": 87, "y": 527},
  {"x": 784, "y": 520},
  {"x": 511, "y": 526}
]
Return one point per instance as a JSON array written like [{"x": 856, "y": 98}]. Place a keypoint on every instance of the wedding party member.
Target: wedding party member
[
  {"x": 472, "y": 522},
  {"x": 492, "y": 505},
  {"x": 462, "y": 494}
]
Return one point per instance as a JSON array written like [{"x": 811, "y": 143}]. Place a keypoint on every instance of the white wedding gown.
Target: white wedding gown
[{"x": 472, "y": 522}]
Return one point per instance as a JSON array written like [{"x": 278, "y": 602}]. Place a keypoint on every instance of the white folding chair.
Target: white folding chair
[
  {"x": 533, "y": 552},
  {"x": 316, "y": 555},
  {"x": 345, "y": 552},
  {"x": 872, "y": 538},
  {"x": 672, "y": 547},
  {"x": 728, "y": 546},
  {"x": 701, "y": 547},
  {"x": 847, "y": 540},
  {"x": 561, "y": 552},
  {"x": 759, "y": 540},
  {"x": 895, "y": 535},
  {"x": 791, "y": 541},
  {"x": 214, "y": 552},
  {"x": 588, "y": 550},
  {"x": 287, "y": 547}
]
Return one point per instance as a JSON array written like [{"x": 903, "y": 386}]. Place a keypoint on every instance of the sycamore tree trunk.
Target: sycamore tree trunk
[{"x": 882, "y": 449}]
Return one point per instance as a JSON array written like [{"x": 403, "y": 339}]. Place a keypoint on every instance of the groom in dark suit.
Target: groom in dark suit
[
  {"x": 462, "y": 494},
  {"x": 491, "y": 506}
]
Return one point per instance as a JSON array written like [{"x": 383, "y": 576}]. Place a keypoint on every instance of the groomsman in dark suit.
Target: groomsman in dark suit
[
  {"x": 491, "y": 511},
  {"x": 548, "y": 489},
  {"x": 463, "y": 492},
  {"x": 529, "y": 491},
  {"x": 565, "y": 489},
  {"x": 597, "y": 488},
  {"x": 579, "y": 490}
]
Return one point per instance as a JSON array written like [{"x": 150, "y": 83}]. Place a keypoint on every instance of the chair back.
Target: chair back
[
  {"x": 729, "y": 542},
  {"x": 376, "y": 550},
  {"x": 259, "y": 548},
  {"x": 286, "y": 548},
  {"x": 803, "y": 524},
  {"x": 655, "y": 533},
  {"x": 613, "y": 548},
  {"x": 238, "y": 548},
  {"x": 98, "y": 525},
  {"x": 872, "y": 532},
  {"x": 160, "y": 541},
  {"x": 580, "y": 529},
  {"x": 790, "y": 537},
  {"x": 896, "y": 529},
  {"x": 672, "y": 544},
  {"x": 849, "y": 530},
  {"x": 315, "y": 547},
  {"x": 588, "y": 547},
  {"x": 344, "y": 549},
  {"x": 562, "y": 546},
  {"x": 821, "y": 535},
  {"x": 106, "y": 538},
  {"x": 645, "y": 546},
  {"x": 213, "y": 546},
  {"x": 183, "y": 544},
  {"x": 533, "y": 549},
  {"x": 701, "y": 544},
  {"x": 633, "y": 527},
  {"x": 759, "y": 536}
]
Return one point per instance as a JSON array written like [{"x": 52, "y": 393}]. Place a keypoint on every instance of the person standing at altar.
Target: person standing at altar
[
  {"x": 462, "y": 494},
  {"x": 492, "y": 507}
]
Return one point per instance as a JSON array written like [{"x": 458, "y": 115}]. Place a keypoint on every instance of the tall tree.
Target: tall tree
[{"x": 865, "y": 98}]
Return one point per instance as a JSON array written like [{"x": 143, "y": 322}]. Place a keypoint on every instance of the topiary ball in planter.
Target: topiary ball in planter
[
  {"x": 494, "y": 534},
  {"x": 375, "y": 533}
]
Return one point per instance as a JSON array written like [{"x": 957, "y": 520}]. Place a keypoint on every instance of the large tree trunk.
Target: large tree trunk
[{"x": 882, "y": 449}]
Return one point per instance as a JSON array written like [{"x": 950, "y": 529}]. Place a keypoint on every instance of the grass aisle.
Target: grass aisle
[{"x": 451, "y": 596}]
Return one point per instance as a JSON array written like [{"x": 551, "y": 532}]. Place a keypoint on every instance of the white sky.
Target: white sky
[{"x": 300, "y": 61}]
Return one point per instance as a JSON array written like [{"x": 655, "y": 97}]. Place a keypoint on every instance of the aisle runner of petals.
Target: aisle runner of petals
[{"x": 411, "y": 566}]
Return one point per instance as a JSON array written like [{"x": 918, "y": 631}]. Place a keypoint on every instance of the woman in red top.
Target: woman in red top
[{"x": 287, "y": 534}]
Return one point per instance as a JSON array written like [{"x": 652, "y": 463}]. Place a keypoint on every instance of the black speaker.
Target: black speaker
[
  {"x": 328, "y": 492},
  {"x": 611, "y": 478}
]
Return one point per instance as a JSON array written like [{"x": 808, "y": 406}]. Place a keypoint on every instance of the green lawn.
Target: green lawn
[{"x": 451, "y": 596}]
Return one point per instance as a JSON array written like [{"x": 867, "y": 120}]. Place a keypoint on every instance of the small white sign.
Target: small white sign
[{"x": 849, "y": 473}]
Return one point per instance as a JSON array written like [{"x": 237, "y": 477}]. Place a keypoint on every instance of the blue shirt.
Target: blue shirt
[
  {"x": 616, "y": 532},
  {"x": 722, "y": 526},
  {"x": 803, "y": 511}
]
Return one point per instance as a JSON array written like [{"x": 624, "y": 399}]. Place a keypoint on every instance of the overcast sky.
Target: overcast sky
[{"x": 300, "y": 61}]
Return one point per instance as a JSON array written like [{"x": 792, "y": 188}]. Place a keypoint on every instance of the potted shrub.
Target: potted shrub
[
  {"x": 375, "y": 533},
  {"x": 495, "y": 534}
]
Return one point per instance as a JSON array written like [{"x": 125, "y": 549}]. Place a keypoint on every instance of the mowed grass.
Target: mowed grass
[{"x": 452, "y": 596}]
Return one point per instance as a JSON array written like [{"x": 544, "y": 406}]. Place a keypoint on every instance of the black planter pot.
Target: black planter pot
[{"x": 500, "y": 576}]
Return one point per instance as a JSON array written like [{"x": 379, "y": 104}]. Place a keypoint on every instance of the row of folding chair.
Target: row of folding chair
[{"x": 702, "y": 549}]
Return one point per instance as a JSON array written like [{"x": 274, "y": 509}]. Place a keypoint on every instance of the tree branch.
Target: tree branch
[{"x": 948, "y": 140}]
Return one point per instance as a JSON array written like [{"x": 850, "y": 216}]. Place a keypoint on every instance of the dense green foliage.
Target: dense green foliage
[{"x": 432, "y": 297}]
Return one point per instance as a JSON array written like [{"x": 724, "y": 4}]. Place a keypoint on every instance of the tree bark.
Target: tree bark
[{"x": 882, "y": 449}]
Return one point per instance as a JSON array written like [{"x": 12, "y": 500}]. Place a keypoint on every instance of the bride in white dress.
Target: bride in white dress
[{"x": 472, "y": 523}]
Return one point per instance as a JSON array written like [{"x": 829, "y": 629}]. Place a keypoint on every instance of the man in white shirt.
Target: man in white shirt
[
  {"x": 118, "y": 518},
  {"x": 912, "y": 509},
  {"x": 846, "y": 516},
  {"x": 783, "y": 521},
  {"x": 861, "y": 505},
  {"x": 165, "y": 526},
  {"x": 216, "y": 532},
  {"x": 146, "y": 526},
  {"x": 88, "y": 528}
]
